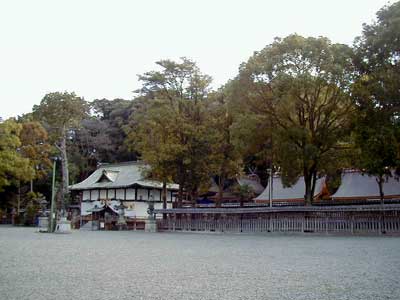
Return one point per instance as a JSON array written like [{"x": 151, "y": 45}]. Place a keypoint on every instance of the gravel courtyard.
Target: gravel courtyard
[{"x": 138, "y": 265}]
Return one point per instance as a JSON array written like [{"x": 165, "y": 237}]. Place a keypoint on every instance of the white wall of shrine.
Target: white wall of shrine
[
  {"x": 130, "y": 194},
  {"x": 133, "y": 209},
  {"x": 119, "y": 194},
  {"x": 86, "y": 195},
  {"x": 156, "y": 194},
  {"x": 142, "y": 194},
  {"x": 122, "y": 194}
]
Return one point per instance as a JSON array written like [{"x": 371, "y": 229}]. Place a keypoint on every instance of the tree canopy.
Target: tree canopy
[
  {"x": 172, "y": 136},
  {"x": 376, "y": 93},
  {"x": 13, "y": 166},
  {"x": 62, "y": 113},
  {"x": 301, "y": 85}
]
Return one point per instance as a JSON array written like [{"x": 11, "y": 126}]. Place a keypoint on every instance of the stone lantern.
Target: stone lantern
[
  {"x": 121, "y": 223},
  {"x": 43, "y": 221},
  {"x": 43, "y": 206},
  {"x": 151, "y": 225},
  {"x": 150, "y": 209}
]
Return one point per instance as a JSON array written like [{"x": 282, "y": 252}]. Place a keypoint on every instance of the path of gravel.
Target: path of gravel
[{"x": 138, "y": 265}]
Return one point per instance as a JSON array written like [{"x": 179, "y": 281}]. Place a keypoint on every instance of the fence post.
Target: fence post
[{"x": 352, "y": 223}]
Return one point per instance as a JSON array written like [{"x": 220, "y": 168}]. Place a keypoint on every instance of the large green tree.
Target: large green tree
[
  {"x": 14, "y": 168},
  {"x": 62, "y": 114},
  {"x": 156, "y": 138},
  {"x": 301, "y": 85},
  {"x": 376, "y": 145},
  {"x": 35, "y": 146},
  {"x": 225, "y": 160},
  {"x": 251, "y": 131},
  {"x": 377, "y": 58},
  {"x": 376, "y": 93},
  {"x": 182, "y": 87}
]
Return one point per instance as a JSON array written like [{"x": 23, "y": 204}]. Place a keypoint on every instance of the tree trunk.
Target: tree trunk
[
  {"x": 382, "y": 200},
  {"x": 380, "y": 184},
  {"x": 310, "y": 178},
  {"x": 193, "y": 197},
  {"x": 180, "y": 195},
  {"x": 308, "y": 192},
  {"x": 220, "y": 191},
  {"x": 313, "y": 183},
  {"x": 64, "y": 169},
  {"x": 31, "y": 185},
  {"x": 164, "y": 197},
  {"x": 181, "y": 182},
  {"x": 19, "y": 199}
]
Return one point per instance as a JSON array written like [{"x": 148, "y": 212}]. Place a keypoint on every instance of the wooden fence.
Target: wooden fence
[{"x": 352, "y": 221}]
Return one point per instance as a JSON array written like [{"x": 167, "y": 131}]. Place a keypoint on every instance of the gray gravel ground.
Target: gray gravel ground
[{"x": 138, "y": 265}]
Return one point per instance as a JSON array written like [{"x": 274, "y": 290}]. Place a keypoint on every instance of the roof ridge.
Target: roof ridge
[{"x": 124, "y": 163}]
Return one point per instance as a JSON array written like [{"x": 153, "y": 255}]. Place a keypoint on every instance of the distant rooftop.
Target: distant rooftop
[
  {"x": 355, "y": 184},
  {"x": 294, "y": 192}
]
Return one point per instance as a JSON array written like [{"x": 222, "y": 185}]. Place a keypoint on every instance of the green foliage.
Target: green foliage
[
  {"x": 101, "y": 137},
  {"x": 172, "y": 135},
  {"x": 378, "y": 57},
  {"x": 35, "y": 147},
  {"x": 376, "y": 140},
  {"x": 245, "y": 192},
  {"x": 111, "y": 117},
  {"x": 301, "y": 86},
  {"x": 32, "y": 207},
  {"x": 176, "y": 80},
  {"x": 60, "y": 112},
  {"x": 156, "y": 138},
  {"x": 13, "y": 166},
  {"x": 376, "y": 94},
  {"x": 225, "y": 160}
]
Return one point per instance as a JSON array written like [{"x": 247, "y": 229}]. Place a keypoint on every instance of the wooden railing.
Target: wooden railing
[
  {"x": 267, "y": 209},
  {"x": 374, "y": 219},
  {"x": 286, "y": 224}
]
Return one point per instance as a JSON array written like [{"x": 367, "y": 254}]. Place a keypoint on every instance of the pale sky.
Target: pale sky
[{"x": 96, "y": 48}]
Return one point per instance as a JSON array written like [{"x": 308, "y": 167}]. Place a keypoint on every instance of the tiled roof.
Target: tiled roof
[{"x": 120, "y": 175}]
